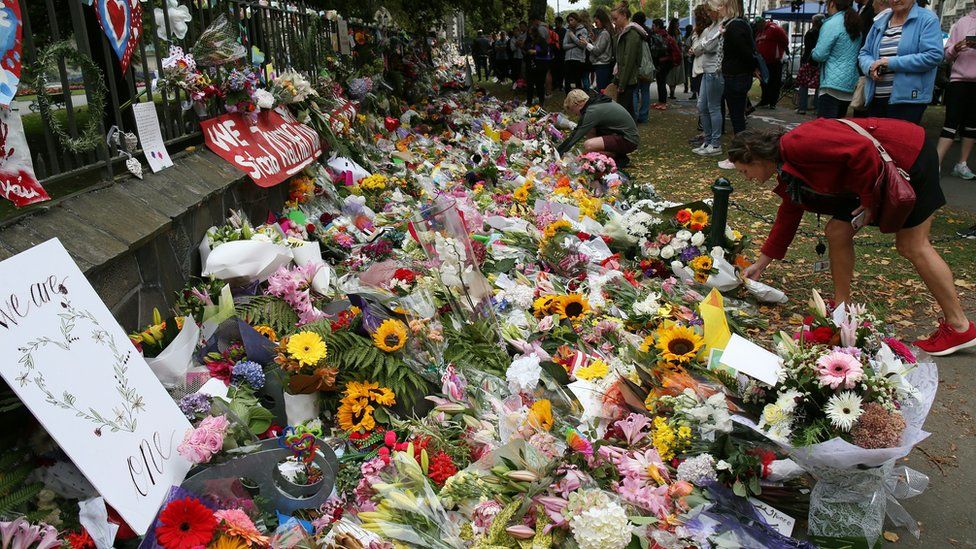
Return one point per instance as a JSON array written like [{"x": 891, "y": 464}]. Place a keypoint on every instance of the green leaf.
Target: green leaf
[{"x": 739, "y": 489}]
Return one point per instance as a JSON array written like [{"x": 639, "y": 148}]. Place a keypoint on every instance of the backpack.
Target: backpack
[
  {"x": 646, "y": 69},
  {"x": 554, "y": 40},
  {"x": 675, "y": 51},
  {"x": 657, "y": 46}
]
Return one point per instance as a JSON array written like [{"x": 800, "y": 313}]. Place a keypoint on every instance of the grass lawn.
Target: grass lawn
[{"x": 882, "y": 279}]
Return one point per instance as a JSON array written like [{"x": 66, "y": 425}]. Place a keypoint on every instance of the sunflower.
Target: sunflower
[
  {"x": 308, "y": 348},
  {"x": 356, "y": 414},
  {"x": 390, "y": 336},
  {"x": 701, "y": 264},
  {"x": 521, "y": 194},
  {"x": 647, "y": 344},
  {"x": 267, "y": 331},
  {"x": 540, "y": 415},
  {"x": 370, "y": 390},
  {"x": 543, "y": 306},
  {"x": 678, "y": 343},
  {"x": 228, "y": 542},
  {"x": 699, "y": 219},
  {"x": 572, "y": 306}
]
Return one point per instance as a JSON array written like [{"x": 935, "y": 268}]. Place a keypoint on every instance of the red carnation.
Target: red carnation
[
  {"x": 184, "y": 524},
  {"x": 405, "y": 275},
  {"x": 822, "y": 334},
  {"x": 683, "y": 216},
  {"x": 441, "y": 468}
]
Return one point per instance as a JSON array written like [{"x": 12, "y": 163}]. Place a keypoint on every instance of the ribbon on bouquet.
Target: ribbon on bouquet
[{"x": 903, "y": 483}]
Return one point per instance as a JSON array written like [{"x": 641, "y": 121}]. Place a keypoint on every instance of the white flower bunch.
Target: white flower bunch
[
  {"x": 523, "y": 373},
  {"x": 604, "y": 527}
]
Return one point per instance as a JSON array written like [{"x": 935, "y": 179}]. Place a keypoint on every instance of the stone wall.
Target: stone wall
[{"x": 137, "y": 240}]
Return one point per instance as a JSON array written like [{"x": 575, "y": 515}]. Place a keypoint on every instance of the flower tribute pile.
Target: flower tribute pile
[{"x": 504, "y": 350}]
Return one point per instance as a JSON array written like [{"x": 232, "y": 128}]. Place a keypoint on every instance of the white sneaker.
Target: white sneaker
[
  {"x": 726, "y": 164},
  {"x": 962, "y": 171},
  {"x": 710, "y": 150},
  {"x": 699, "y": 149}
]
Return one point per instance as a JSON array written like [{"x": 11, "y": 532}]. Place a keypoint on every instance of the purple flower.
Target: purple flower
[
  {"x": 194, "y": 405},
  {"x": 689, "y": 253},
  {"x": 248, "y": 372}
]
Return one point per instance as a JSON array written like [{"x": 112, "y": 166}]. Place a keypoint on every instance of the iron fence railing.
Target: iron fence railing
[{"x": 284, "y": 34}]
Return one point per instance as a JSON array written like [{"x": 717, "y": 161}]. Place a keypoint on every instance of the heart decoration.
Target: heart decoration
[
  {"x": 11, "y": 35},
  {"x": 121, "y": 21}
]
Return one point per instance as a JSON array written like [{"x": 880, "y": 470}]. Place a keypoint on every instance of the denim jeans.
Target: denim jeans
[
  {"x": 909, "y": 112},
  {"x": 642, "y": 100},
  {"x": 710, "y": 107},
  {"x": 831, "y": 107},
  {"x": 736, "y": 95},
  {"x": 803, "y": 99}
]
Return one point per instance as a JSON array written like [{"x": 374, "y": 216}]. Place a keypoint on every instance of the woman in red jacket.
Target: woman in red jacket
[{"x": 826, "y": 167}]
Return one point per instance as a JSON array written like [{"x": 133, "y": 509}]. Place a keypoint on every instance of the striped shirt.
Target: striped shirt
[{"x": 889, "y": 48}]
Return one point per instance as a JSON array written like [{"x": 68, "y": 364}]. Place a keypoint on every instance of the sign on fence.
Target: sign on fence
[
  {"x": 273, "y": 150},
  {"x": 70, "y": 362},
  {"x": 18, "y": 183}
]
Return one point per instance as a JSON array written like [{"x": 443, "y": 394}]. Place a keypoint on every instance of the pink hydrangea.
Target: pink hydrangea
[
  {"x": 199, "y": 445},
  {"x": 838, "y": 369}
]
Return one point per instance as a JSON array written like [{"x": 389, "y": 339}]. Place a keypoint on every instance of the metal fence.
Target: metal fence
[{"x": 285, "y": 34}]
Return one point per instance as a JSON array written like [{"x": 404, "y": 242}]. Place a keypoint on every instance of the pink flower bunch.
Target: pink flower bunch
[
  {"x": 597, "y": 163},
  {"x": 292, "y": 285},
  {"x": 20, "y": 533},
  {"x": 364, "y": 490},
  {"x": 838, "y": 369},
  {"x": 484, "y": 515},
  {"x": 199, "y": 445}
]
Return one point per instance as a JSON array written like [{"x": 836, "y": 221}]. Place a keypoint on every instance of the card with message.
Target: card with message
[{"x": 70, "y": 362}]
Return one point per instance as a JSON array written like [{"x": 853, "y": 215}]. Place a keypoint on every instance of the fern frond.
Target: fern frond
[
  {"x": 11, "y": 502},
  {"x": 268, "y": 310}
]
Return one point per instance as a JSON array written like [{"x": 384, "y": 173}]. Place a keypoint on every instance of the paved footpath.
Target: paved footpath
[{"x": 946, "y": 511}]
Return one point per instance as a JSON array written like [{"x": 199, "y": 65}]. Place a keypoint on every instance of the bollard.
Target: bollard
[{"x": 721, "y": 190}]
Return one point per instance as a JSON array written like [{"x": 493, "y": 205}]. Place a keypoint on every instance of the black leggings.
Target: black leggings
[
  {"x": 574, "y": 75},
  {"x": 662, "y": 82},
  {"x": 536, "y": 81}
]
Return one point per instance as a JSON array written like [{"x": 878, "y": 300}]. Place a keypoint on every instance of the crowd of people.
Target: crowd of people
[{"x": 876, "y": 62}]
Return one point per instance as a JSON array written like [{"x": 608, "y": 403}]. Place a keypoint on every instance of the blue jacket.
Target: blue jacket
[
  {"x": 837, "y": 55},
  {"x": 919, "y": 54}
]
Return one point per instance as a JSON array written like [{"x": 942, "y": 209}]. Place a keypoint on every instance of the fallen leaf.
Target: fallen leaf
[
  {"x": 965, "y": 284},
  {"x": 890, "y": 536}
]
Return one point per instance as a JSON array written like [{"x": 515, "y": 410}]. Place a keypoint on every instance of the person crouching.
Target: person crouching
[{"x": 606, "y": 126}]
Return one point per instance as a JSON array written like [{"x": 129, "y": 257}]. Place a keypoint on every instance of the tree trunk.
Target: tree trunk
[{"x": 537, "y": 8}]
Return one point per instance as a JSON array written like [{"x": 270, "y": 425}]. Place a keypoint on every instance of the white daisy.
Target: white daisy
[{"x": 843, "y": 409}]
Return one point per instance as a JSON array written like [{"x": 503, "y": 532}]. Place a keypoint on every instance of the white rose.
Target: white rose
[
  {"x": 667, "y": 252},
  {"x": 683, "y": 235},
  {"x": 654, "y": 252},
  {"x": 728, "y": 233},
  {"x": 698, "y": 239}
]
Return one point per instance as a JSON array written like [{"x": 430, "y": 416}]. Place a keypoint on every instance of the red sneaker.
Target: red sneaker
[{"x": 946, "y": 340}]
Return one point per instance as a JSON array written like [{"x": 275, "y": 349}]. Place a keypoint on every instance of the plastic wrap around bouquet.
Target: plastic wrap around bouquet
[
  {"x": 440, "y": 230},
  {"x": 856, "y": 487}
]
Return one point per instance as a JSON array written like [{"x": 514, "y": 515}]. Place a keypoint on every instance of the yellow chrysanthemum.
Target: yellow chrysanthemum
[
  {"x": 597, "y": 369},
  {"x": 572, "y": 306},
  {"x": 267, "y": 331},
  {"x": 555, "y": 227},
  {"x": 308, "y": 348},
  {"x": 543, "y": 306},
  {"x": 228, "y": 542},
  {"x": 540, "y": 415},
  {"x": 391, "y": 336},
  {"x": 678, "y": 343},
  {"x": 701, "y": 264},
  {"x": 373, "y": 182}
]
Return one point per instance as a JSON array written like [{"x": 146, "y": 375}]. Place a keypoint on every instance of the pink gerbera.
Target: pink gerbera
[{"x": 839, "y": 369}]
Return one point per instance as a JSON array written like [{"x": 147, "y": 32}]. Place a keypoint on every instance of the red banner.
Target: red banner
[
  {"x": 275, "y": 149},
  {"x": 17, "y": 181}
]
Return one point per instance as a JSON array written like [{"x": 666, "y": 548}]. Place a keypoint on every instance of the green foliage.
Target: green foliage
[
  {"x": 14, "y": 493},
  {"x": 357, "y": 358},
  {"x": 476, "y": 346},
  {"x": 268, "y": 310}
]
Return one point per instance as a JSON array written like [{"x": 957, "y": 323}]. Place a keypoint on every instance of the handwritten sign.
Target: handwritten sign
[
  {"x": 748, "y": 358},
  {"x": 17, "y": 181},
  {"x": 71, "y": 363},
  {"x": 780, "y": 521},
  {"x": 150, "y": 136},
  {"x": 275, "y": 149}
]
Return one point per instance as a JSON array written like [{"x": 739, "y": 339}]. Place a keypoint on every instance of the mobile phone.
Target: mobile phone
[{"x": 859, "y": 221}]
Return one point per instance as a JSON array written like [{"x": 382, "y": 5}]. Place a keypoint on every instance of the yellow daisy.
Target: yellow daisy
[
  {"x": 678, "y": 343},
  {"x": 597, "y": 369},
  {"x": 540, "y": 415},
  {"x": 266, "y": 331},
  {"x": 228, "y": 542},
  {"x": 308, "y": 348},
  {"x": 390, "y": 336},
  {"x": 521, "y": 194}
]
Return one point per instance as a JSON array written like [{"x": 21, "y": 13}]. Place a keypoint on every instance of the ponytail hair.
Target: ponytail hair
[{"x": 852, "y": 21}]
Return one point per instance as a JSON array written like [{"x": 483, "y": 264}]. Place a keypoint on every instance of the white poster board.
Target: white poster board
[
  {"x": 70, "y": 362},
  {"x": 150, "y": 136}
]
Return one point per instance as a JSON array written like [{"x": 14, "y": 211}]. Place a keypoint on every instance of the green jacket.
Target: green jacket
[
  {"x": 629, "y": 55},
  {"x": 604, "y": 116}
]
